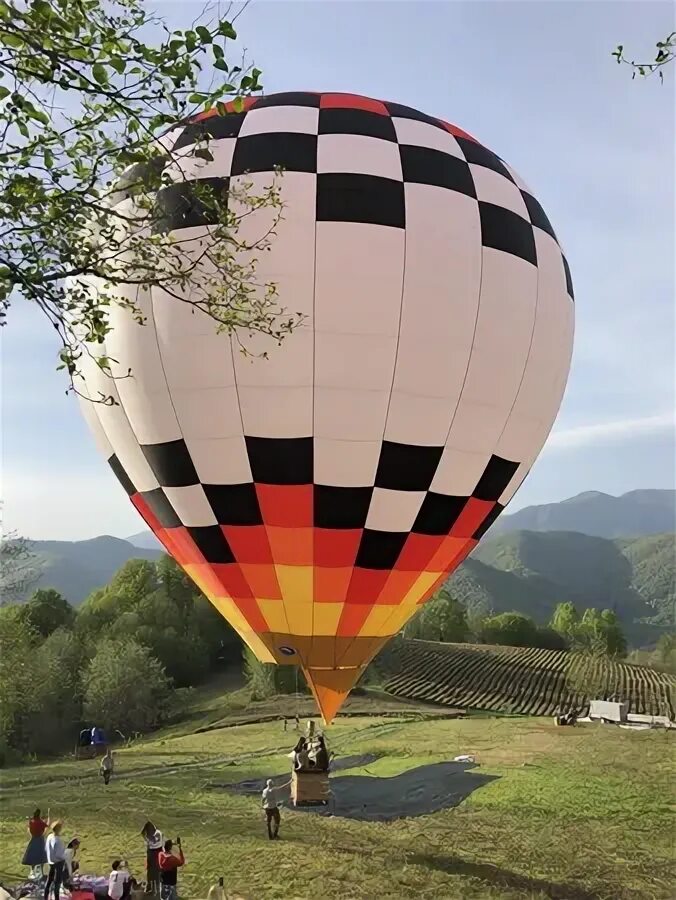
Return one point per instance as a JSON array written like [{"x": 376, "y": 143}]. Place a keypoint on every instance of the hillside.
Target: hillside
[
  {"x": 523, "y": 680},
  {"x": 577, "y": 813},
  {"x": 531, "y": 572},
  {"x": 526, "y": 571},
  {"x": 601, "y": 515},
  {"x": 76, "y": 568}
]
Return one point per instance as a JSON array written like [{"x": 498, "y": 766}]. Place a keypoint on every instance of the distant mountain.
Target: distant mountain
[
  {"x": 562, "y": 556},
  {"x": 76, "y": 568},
  {"x": 631, "y": 515},
  {"x": 146, "y": 540},
  {"x": 531, "y": 572}
]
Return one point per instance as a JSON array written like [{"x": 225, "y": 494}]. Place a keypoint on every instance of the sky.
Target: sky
[{"x": 536, "y": 83}]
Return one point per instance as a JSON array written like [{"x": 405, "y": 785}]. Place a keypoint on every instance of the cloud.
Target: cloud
[{"x": 609, "y": 432}]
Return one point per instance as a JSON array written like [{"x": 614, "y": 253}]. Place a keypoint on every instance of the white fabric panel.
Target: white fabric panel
[
  {"x": 115, "y": 425},
  {"x": 358, "y": 153},
  {"x": 394, "y": 510},
  {"x": 207, "y": 412},
  {"x": 422, "y": 134},
  {"x": 297, "y": 119},
  {"x": 221, "y": 460},
  {"x": 458, "y": 472},
  {"x": 548, "y": 356},
  {"x": 90, "y": 416},
  {"x": 502, "y": 339},
  {"x": 287, "y": 365},
  {"x": 195, "y": 361},
  {"x": 350, "y": 415},
  {"x": 184, "y": 166},
  {"x": 476, "y": 428},
  {"x": 191, "y": 505},
  {"x": 493, "y": 187},
  {"x": 144, "y": 394},
  {"x": 289, "y": 263},
  {"x": 276, "y": 412},
  {"x": 346, "y": 463},
  {"x": 354, "y": 361},
  {"x": 499, "y": 353},
  {"x": 441, "y": 294},
  {"x": 415, "y": 419},
  {"x": 359, "y": 275}
]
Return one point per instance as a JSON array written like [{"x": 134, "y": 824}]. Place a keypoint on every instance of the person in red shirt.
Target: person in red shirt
[
  {"x": 35, "y": 855},
  {"x": 169, "y": 866}
]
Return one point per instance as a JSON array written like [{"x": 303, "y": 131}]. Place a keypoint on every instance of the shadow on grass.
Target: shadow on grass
[
  {"x": 497, "y": 877},
  {"x": 417, "y": 792}
]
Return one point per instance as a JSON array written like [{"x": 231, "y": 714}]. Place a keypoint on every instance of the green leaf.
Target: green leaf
[
  {"x": 12, "y": 40},
  {"x": 221, "y": 64},
  {"x": 100, "y": 73},
  {"x": 118, "y": 64},
  {"x": 197, "y": 98},
  {"x": 226, "y": 29},
  {"x": 4, "y": 92},
  {"x": 238, "y": 104},
  {"x": 218, "y": 51},
  {"x": 204, "y": 34},
  {"x": 203, "y": 153}
]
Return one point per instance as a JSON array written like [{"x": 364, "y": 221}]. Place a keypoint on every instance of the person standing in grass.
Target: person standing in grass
[
  {"x": 271, "y": 808},
  {"x": 35, "y": 854},
  {"x": 169, "y": 866},
  {"x": 106, "y": 768},
  {"x": 56, "y": 857},
  {"x": 153, "y": 838}
]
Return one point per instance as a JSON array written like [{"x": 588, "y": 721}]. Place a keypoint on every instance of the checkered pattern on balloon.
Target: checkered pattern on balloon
[{"x": 320, "y": 496}]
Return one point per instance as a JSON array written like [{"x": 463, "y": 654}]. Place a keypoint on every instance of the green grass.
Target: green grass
[{"x": 582, "y": 813}]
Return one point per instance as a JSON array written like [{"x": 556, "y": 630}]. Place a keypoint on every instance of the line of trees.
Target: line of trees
[
  {"x": 444, "y": 618},
  {"x": 113, "y": 661}
]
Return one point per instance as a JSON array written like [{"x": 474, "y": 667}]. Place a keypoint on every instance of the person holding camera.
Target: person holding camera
[{"x": 169, "y": 865}]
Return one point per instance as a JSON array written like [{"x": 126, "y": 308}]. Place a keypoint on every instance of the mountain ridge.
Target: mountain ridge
[{"x": 661, "y": 504}]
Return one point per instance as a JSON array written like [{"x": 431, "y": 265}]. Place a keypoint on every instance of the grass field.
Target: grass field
[{"x": 574, "y": 813}]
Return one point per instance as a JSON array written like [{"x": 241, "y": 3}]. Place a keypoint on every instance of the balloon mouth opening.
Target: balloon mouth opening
[{"x": 287, "y": 651}]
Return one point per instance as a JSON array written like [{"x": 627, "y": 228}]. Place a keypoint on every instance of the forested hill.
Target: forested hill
[
  {"x": 525, "y": 571},
  {"x": 630, "y": 515},
  {"x": 531, "y": 572}
]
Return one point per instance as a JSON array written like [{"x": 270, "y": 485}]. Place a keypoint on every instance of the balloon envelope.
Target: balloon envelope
[{"x": 318, "y": 497}]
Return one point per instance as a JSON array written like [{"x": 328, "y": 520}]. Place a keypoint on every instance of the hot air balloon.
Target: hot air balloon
[{"x": 320, "y": 496}]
